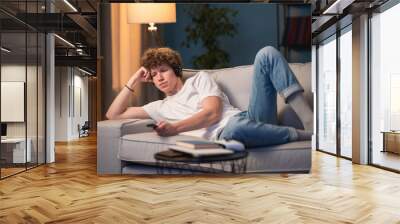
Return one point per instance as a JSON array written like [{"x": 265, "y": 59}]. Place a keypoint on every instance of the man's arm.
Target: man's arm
[
  {"x": 210, "y": 114},
  {"x": 119, "y": 108},
  {"x": 130, "y": 112}
]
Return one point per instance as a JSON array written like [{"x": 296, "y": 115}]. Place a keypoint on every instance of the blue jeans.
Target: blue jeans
[{"x": 258, "y": 126}]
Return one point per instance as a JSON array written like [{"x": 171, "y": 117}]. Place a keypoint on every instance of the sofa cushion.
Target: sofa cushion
[
  {"x": 289, "y": 157},
  {"x": 235, "y": 82},
  {"x": 293, "y": 156},
  {"x": 286, "y": 116},
  {"x": 237, "y": 88},
  {"x": 143, "y": 146}
]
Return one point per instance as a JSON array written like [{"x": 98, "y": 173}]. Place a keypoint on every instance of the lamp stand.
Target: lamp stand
[
  {"x": 154, "y": 36},
  {"x": 151, "y": 39}
]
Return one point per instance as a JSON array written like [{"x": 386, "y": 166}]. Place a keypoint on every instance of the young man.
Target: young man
[{"x": 199, "y": 108}]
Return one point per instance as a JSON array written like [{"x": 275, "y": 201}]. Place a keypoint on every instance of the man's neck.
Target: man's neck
[{"x": 178, "y": 87}]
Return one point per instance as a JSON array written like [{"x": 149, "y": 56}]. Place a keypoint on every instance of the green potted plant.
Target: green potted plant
[{"x": 207, "y": 26}]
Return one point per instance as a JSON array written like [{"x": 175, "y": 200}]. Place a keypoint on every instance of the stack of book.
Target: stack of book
[{"x": 198, "y": 148}]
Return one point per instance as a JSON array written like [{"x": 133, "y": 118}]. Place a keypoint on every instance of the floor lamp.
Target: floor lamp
[{"x": 152, "y": 13}]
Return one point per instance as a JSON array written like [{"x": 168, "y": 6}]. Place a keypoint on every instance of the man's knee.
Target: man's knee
[{"x": 267, "y": 52}]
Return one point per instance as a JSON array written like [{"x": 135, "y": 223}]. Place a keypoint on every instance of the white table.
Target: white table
[{"x": 18, "y": 149}]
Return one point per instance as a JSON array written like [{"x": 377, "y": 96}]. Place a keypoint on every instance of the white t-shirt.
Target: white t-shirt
[{"x": 187, "y": 102}]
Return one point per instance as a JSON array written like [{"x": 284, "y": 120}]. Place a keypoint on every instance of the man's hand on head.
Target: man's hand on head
[{"x": 166, "y": 129}]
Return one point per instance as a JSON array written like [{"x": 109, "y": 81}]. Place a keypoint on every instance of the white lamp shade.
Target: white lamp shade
[{"x": 151, "y": 13}]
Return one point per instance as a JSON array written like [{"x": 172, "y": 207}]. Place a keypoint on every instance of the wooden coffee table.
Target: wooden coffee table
[{"x": 233, "y": 163}]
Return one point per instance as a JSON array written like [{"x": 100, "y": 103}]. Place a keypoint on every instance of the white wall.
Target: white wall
[
  {"x": 12, "y": 73},
  {"x": 33, "y": 127},
  {"x": 71, "y": 93},
  {"x": 80, "y": 111},
  {"x": 61, "y": 103}
]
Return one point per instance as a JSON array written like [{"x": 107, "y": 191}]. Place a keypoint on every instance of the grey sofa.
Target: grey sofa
[{"x": 128, "y": 146}]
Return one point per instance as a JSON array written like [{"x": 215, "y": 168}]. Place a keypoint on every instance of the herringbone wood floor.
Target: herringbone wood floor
[{"x": 69, "y": 191}]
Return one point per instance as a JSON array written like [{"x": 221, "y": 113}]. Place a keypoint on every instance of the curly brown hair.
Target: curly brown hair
[{"x": 154, "y": 57}]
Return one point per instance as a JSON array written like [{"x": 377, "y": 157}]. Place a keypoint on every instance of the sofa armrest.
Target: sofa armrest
[{"x": 109, "y": 133}]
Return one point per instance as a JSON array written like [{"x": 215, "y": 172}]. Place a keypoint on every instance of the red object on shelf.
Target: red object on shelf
[{"x": 297, "y": 32}]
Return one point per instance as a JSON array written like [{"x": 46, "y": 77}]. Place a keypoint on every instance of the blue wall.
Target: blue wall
[{"x": 257, "y": 26}]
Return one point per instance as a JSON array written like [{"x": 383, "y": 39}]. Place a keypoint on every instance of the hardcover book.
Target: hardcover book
[
  {"x": 199, "y": 148},
  {"x": 198, "y": 144}
]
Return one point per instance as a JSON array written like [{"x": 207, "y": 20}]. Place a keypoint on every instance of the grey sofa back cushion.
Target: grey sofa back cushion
[{"x": 236, "y": 84}]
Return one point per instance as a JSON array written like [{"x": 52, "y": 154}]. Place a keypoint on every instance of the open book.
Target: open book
[{"x": 222, "y": 147}]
